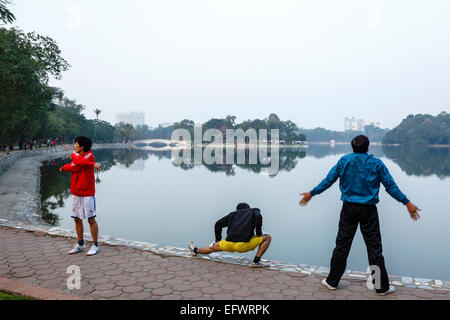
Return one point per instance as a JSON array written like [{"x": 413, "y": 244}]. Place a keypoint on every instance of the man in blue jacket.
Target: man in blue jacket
[{"x": 359, "y": 176}]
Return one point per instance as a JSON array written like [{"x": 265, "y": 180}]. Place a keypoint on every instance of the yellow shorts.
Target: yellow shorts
[{"x": 240, "y": 246}]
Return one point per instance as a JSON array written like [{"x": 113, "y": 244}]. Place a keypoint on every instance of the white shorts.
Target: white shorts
[{"x": 83, "y": 207}]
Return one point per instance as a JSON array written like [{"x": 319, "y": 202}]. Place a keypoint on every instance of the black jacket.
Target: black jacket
[{"x": 241, "y": 225}]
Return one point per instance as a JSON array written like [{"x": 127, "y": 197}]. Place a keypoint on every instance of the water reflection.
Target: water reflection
[
  {"x": 55, "y": 186},
  {"x": 325, "y": 150},
  {"x": 421, "y": 160},
  {"x": 288, "y": 159}
]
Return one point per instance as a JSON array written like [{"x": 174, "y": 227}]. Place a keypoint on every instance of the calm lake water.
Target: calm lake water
[{"x": 142, "y": 195}]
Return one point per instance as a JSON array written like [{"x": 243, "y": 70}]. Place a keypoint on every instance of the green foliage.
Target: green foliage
[
  {"x": 97, "y": 112},
  {"x": 124, "y": 132},
  {"x": 421, "y": 129},
  {"x": 185, "y": 124},
  {"x": 105, "y": 131},
  {"x": 66, "y": 121},
  {"x": 160, "y": 132},
  {"x": 324, "y": 135},
  {"x": 26, "y": 62},
  {"x": 5, "y": 15},
  {"x": 288, "y": 130},
  {"x": 7, "y": 296}
]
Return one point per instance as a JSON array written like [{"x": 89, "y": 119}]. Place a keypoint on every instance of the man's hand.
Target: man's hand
[
  {"x": 97, "y": 166},
  {"x": 413, "y": 211},
  {"x": 306, "y": 197},
  {"x": 60, "y": 169}
]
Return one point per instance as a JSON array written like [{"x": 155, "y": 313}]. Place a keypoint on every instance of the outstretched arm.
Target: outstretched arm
[
  {"x": 394, "y": 191},
  {"x": 70, "y": 167},
  {"x": 390, "y": 185},
  {"x": 331, "y": 178}
]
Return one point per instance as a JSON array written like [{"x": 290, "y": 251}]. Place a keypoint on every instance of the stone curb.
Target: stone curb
[{"x": 409, "y": 282}]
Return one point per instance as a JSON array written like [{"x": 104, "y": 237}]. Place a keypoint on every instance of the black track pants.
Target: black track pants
[{"x": 367, "y": 217}]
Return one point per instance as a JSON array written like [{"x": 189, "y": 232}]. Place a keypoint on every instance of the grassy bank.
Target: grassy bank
[{"x": 8, "y": 296}]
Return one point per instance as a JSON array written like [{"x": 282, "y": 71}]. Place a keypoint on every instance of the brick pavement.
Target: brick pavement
[{"x": 119, "y": 272}]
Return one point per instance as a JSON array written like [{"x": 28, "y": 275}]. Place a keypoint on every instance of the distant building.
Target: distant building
[
  {"x": 352, "y": 124},
  {"x": 360, "y": 125},
  {"x": 348, "y": 123},
  {"x": 375, "y": 124},
  {"x": 133, "y": 118}
]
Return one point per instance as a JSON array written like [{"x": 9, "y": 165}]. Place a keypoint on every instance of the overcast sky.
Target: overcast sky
[{"x": 313, "y": 62}]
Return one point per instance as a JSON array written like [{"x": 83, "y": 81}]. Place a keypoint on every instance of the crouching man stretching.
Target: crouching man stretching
[{"x": 241, "y": 226}]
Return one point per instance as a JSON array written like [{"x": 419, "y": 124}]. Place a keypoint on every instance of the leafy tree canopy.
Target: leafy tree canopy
[{"x": 421, "y": 129}]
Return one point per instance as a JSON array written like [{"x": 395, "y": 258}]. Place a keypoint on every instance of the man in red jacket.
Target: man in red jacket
[{"x": 82, "y": 187}]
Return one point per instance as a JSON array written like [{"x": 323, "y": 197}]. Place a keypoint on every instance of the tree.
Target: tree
[
  {"x": 229, "y": 122},
  {"x": 26, "y": 63},
  {"x": 273, "y": 118},
  {"x": 97, "y": 112},
  {"x": 185, "y": 124},
  {"x": 5, "y": 15},
  {"x": 105, "y": 131},
  {"x": 421, "y": 129},
  {"x": 124, "y": 132}
]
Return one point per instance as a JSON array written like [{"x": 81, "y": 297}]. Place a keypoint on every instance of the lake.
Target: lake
[{"x": 144, "y": 196}]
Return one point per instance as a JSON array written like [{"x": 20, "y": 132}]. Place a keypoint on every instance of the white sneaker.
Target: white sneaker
[
  {"x": 259, "y": 265},
  {"x": 93, "y": 250},
  {"x": 391, "y": 290},
  {"x": 77, "y": 248},
  {"x": 325, "y": 284},
  {"x": 191, "y": 247}
]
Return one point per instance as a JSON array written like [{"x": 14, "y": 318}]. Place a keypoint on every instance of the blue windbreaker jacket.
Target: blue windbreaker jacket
[{"x": 359, "y": 176}]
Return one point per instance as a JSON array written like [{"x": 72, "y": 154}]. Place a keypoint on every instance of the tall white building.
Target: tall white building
[
  {"x": 133, "y": 118},
  {"x": 360, "y": 123},
  {"x": 353, "y": 124}
]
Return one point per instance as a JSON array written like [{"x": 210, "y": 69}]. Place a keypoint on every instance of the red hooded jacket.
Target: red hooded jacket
[{"x": 82, "y": 183}]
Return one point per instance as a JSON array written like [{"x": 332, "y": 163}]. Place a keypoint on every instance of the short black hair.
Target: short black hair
[
  {"x": 360, "y": 144},
  {"x": 84, "y": 142},
  {"x": 242, "y": 205}
]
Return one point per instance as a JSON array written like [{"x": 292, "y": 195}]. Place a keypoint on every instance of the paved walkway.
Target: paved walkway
[{"x": 119, "y": 272}]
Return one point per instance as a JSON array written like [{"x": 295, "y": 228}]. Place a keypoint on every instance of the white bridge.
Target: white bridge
[{"x": 160, "y": 144}]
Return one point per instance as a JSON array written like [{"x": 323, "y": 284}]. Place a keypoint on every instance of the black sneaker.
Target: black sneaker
[{"x": 191, "y": 247}]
